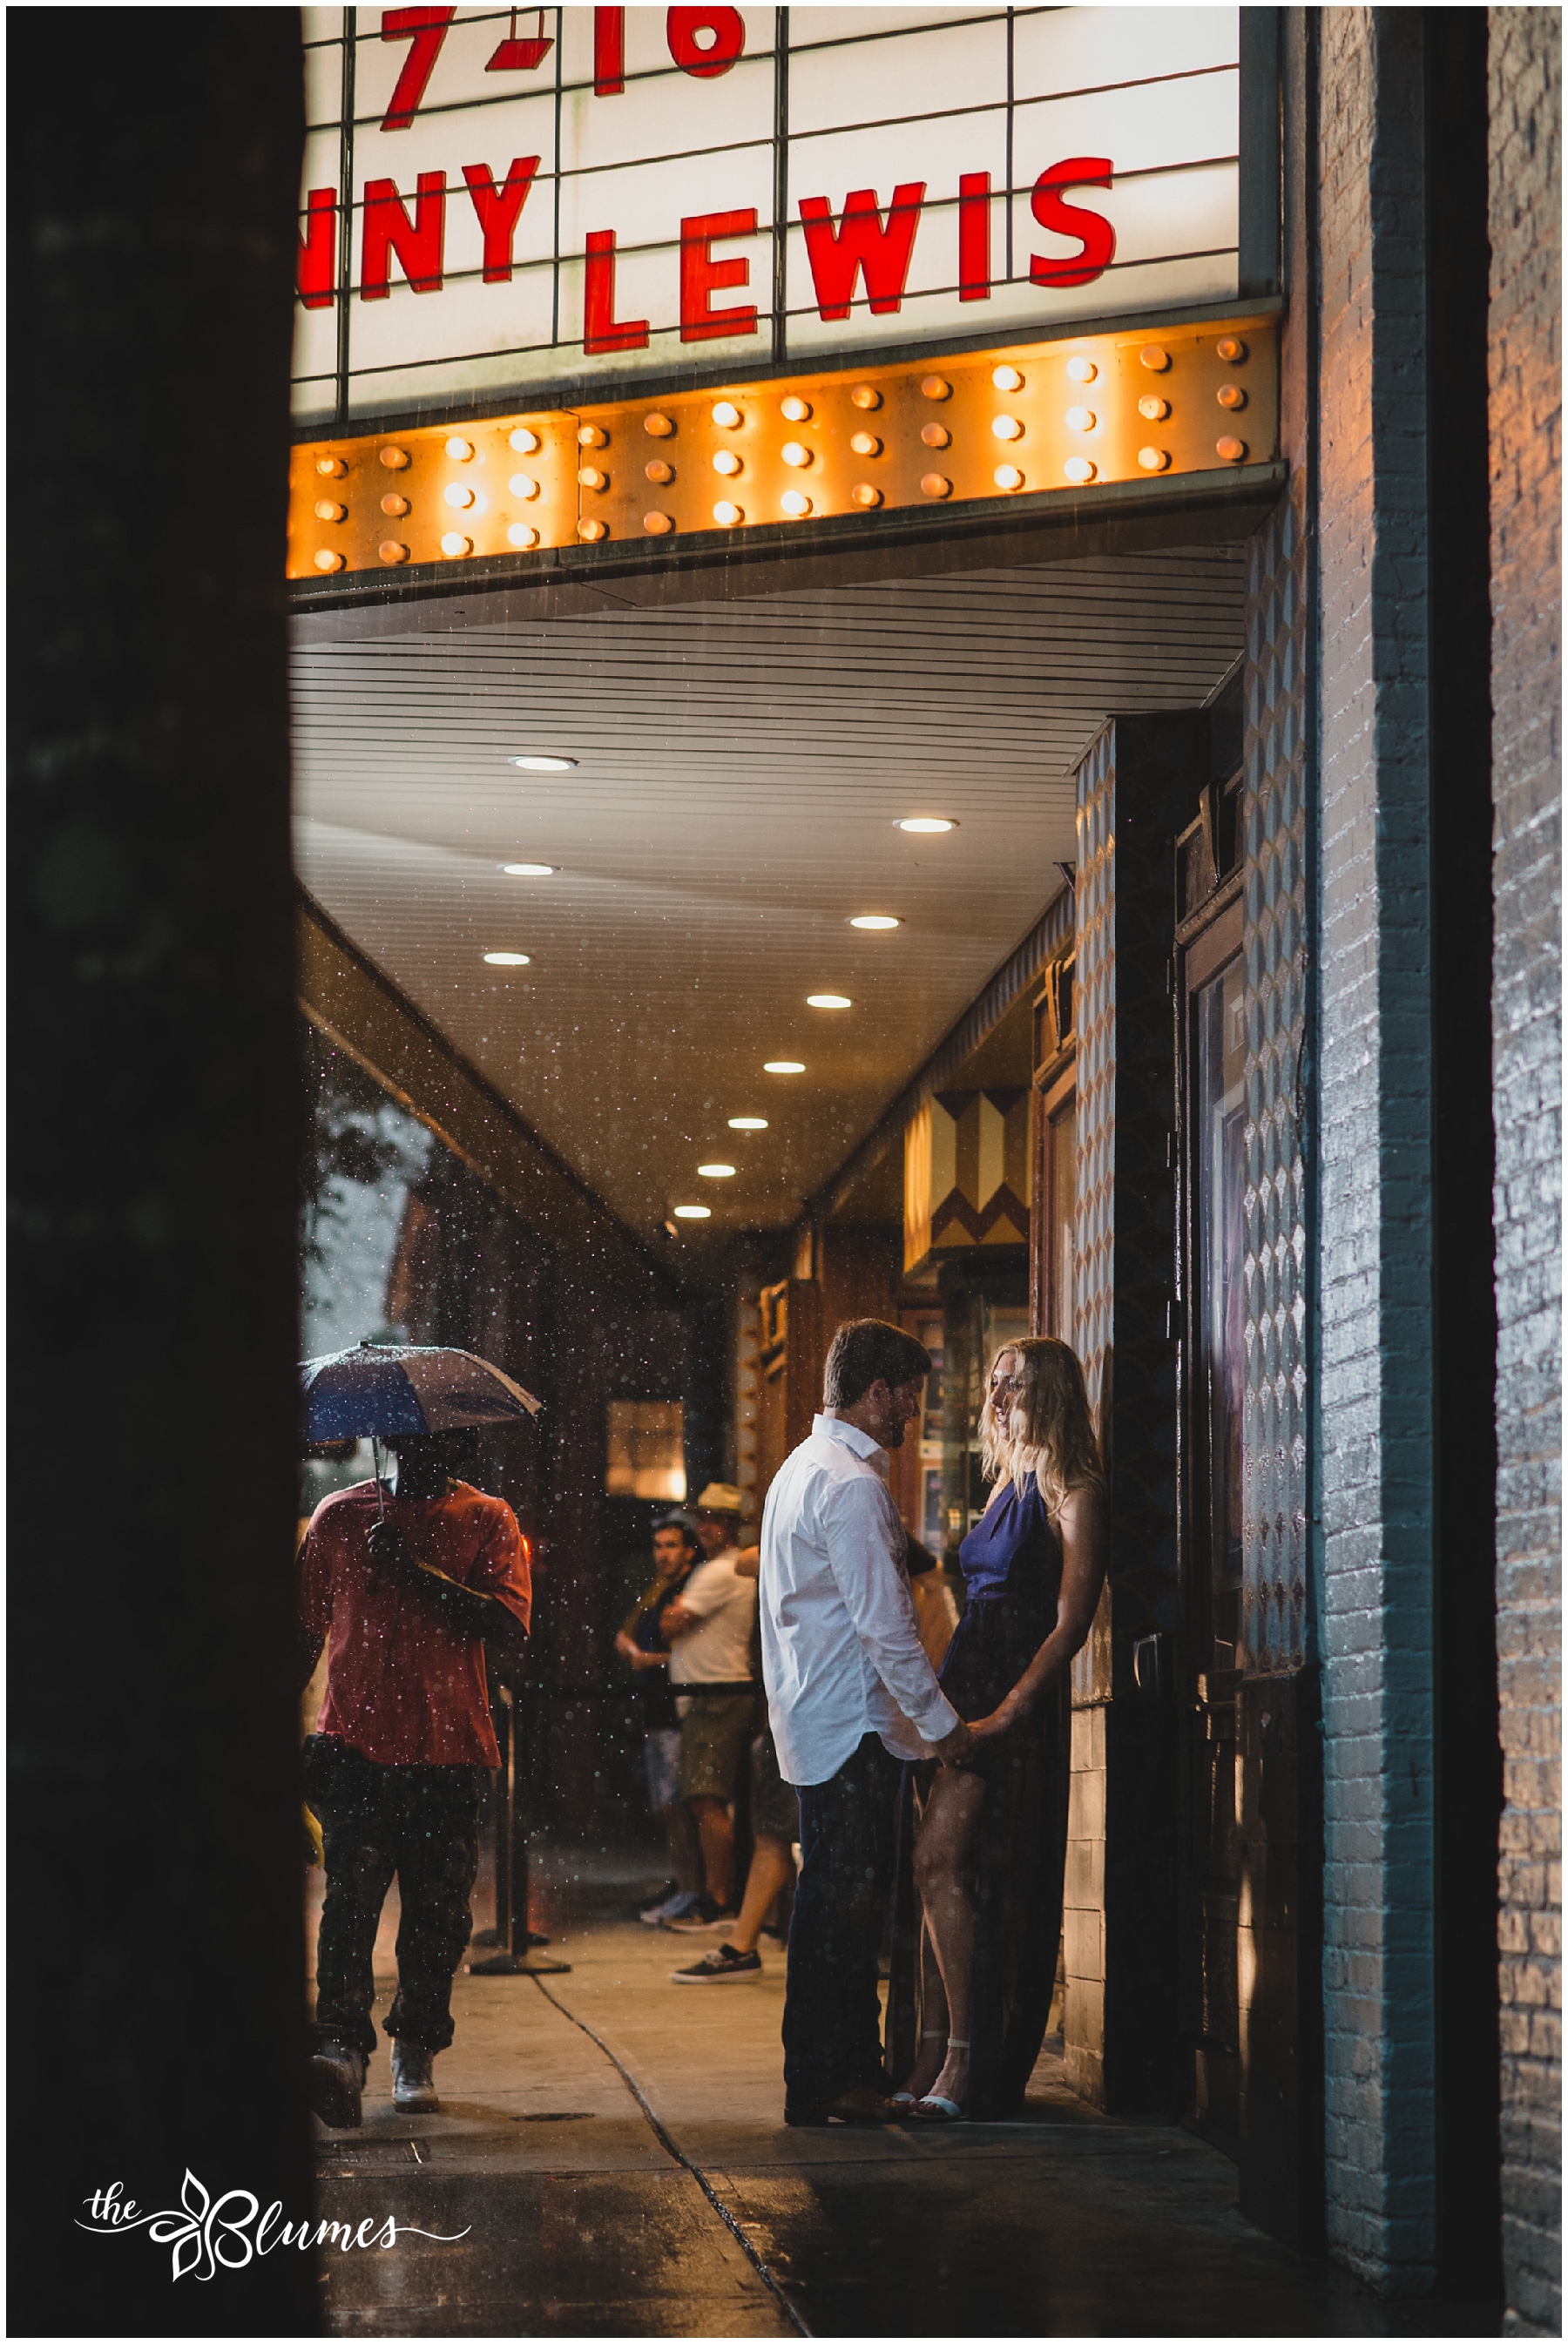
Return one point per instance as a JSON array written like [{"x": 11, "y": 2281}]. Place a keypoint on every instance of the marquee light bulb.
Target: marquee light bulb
[
  {"x": 459, "y": 451},
  {"x": 522, "y": 536},
  {"x": 727, "y": 515},
  {"x": 523, "y": 484},
  {"x": 1007, "y": 427},
  {"x": 795, "y": 410},
  {"x": 1081, "y": 371},
  {"x": 1007, "y": 476},
  {"x": 727, "y": 463},
  {"x": 796, "y": 503},
  {"x": 1006, "y": 377},
  {"x": 726, "y": 415},
  {"x": 1078, "y": 470},
  {"x": 1081, "y": 418},
  {"x": 793, "y": 453},
  {"x": 454, "y": 545},
  {"x": 457, "y": 497},
  {"x": 524, "y": 442}
]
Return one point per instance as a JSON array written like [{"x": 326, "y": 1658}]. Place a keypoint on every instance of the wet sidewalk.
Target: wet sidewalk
[{"x": 612, "y": 2148}]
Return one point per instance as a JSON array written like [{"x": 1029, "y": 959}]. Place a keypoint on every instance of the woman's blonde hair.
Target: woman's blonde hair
[{"x": 1057, "y": 1444}]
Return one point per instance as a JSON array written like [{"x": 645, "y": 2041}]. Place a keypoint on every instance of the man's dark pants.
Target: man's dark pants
[
  {"x": 831, "y": 2021},
  {"x": 421, "y": 1822}
]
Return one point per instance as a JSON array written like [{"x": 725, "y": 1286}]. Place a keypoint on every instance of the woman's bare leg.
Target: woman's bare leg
[
  {"x": 933, "y": 2044},
  {"x": 944, "y": 1866}
]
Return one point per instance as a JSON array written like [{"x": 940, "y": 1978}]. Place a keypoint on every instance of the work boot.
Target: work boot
[
  {"x": 413, "y": 2085},
  {"x": 334, "y": 2081}
]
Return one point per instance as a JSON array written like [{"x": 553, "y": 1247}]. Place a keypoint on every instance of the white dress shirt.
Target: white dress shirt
[{"x": 841, "y": 1655}]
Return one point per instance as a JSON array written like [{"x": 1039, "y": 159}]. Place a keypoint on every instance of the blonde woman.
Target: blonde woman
[{"x": 991, "y": 1837}]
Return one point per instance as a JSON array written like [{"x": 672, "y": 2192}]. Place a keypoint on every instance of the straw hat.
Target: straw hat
[{"x": 720, "y": 1498}]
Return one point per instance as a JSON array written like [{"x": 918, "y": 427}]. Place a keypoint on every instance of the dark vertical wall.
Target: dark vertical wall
[
  {"x": 155, "y": 1972},
  {"x": 1525, "y": 89}
]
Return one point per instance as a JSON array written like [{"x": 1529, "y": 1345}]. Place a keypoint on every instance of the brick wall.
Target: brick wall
[
  {"x": 1374, "y": 1398},
  {"x": 1526, "y": 491}
]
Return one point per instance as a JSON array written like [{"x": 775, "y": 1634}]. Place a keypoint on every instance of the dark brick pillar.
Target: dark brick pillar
[{"x": 156, "y": 1981}]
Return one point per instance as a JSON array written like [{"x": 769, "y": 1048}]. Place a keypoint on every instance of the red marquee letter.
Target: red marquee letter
[
  {"x": 702, "y": 276},
  {"x": 1092, "y": 230},
  {"x": 387, "y": 230},
  {"x": 975, "y": 236},
  {"x": 861, "y": 242},
  {"x": 428, "y": 29},
  {"x": 728, "y": 27},
  {"x": 609, "y": 52},
  {"x": 600, "y": 329},
  {"x": 317, "y": 256},
  {"x": 497, "y": 209}
]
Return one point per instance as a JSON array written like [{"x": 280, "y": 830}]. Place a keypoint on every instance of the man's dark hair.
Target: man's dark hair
[
  {"x": 868, "y": 1351},
  {"x": 679, "y": 1522}
]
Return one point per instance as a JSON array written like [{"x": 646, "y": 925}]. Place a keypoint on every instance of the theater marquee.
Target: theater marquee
[{"x": 514, "y": 216}]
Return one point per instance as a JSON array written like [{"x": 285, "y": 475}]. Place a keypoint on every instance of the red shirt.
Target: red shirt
[{"x": 401, "y": 1686}]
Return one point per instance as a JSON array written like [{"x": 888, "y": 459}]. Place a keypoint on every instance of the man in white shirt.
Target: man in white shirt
[
  {"x": 850, "y": 1693},
  {"x": 709, "y": 1630}
]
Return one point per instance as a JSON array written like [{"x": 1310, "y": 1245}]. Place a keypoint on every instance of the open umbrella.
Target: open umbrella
[{"x": 376, "y": 1390}]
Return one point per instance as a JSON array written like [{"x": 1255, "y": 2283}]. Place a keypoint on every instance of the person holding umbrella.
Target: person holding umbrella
[{"x": 405, "y": 1582}]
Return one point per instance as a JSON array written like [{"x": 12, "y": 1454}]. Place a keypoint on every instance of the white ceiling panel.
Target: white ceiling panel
[{"x": 741, "y": 766}]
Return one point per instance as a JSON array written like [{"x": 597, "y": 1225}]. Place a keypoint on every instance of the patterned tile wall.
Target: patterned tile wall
[{"x": 1274, "y": 819}]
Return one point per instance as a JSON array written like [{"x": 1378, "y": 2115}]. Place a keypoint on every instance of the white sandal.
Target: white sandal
[
  {"x": 927, "y": 2034},
  {"x": 942, "y": 2111}
]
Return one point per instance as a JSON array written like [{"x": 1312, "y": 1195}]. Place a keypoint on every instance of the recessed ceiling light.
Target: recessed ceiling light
[
  {"x": 873, "y": 920},
  {"x": 926, "y": 825},
  {"x": 507, "y": 960},
  {"x": 748, "y": 1123},
  {"x": 694, "y": 1212},
  {"x": 529, "y": 870},
  {"x": 828, "y": 1001},
  {"x": 544, "y": 764},
  {"x": 715, "y": 1171},
  {"x": 784, "y": 1067}
]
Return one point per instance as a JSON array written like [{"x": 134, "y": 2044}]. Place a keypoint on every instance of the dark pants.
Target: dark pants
[
  {"x": 421, "y": 1822},
  {"x": 832, "y": 2020}
]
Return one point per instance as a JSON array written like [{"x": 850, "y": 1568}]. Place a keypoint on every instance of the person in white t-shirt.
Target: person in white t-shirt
[{"x": 709, "y": 1632}]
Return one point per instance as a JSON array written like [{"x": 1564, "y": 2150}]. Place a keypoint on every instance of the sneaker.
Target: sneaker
[
  {"x": 672, "y": 1909},
  {"x": 703, "y": 1916},
  {"x": 724, "y": 1962}
]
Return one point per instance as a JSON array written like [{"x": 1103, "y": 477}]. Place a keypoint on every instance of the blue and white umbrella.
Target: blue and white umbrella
[{"x": 378, "y": 1390}]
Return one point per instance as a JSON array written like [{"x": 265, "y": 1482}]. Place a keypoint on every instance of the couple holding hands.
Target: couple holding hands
[{"x": 952, "y": 1789}]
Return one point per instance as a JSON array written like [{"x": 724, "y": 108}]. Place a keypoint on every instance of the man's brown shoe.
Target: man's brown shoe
[{"x": 863, "y": 2104}]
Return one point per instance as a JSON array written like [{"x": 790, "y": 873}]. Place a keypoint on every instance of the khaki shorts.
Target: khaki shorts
[{"x": 714, "y": 1733}]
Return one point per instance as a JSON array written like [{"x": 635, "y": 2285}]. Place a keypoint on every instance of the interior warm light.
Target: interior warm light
[
  {"x": 873, "y": 920},
  {"x": 507, "y": 960},
  {"x": 726, "y": 414},
  {"x": 727, "y": 515},
  {"x": 1078, "y": 419},
  {"x": 459, "y": 451},
  {"x": 1007, "y": 378},
  {"x": 796, "y": 503},
  {"x": 828, "y": 1001},
  {"x": 525, "y": 443},
  {"x": 523, "y": 484},
  {"x": 715, "y": 1171},
  {"x": 457, "y": 497},
  {"x": 795, "y": 410},
  {"x": 727, "y": 462},
  {"x": 529, "y": 870},
  {"x": 1081, "y": 371},
  {"x": 1078, "y": 470},
  {"x": 926, "y": 825},
  {"x": 748, "y": 1123},
  {"x": 455, "y": 544},
  {"x": 544, "y": 764},
  {"x": 1007, "y": 476},
  {"x": 793, "y": 453},
  {"x": 522, "y": 536},
  {"x": 784, "y": 1065},
  {"x": 694, "y": 1212}
]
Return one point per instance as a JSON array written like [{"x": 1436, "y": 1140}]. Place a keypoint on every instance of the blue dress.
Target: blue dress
[{"x": 1012, "y": 1564}]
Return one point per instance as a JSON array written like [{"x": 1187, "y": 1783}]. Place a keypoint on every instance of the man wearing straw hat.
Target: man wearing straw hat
[
  {"x": 408, "y": 1583},
  {"x": 709, "y": 1628}
]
